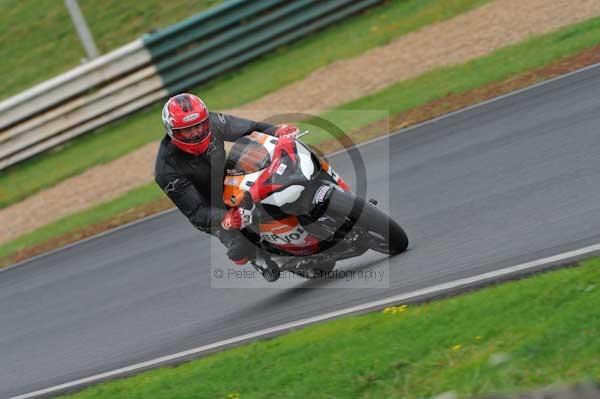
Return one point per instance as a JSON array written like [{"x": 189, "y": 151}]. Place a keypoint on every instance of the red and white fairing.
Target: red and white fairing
[{"x": 287, "y": 233}]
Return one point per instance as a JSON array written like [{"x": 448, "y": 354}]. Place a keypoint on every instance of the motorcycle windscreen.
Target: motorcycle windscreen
[{"x": 247, "y": 156}]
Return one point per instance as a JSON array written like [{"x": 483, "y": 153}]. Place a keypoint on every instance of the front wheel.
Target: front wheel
[{"x": 384, "y": 234}]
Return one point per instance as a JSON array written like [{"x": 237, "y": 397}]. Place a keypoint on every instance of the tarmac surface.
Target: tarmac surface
[{"x": 510, "y": 181}]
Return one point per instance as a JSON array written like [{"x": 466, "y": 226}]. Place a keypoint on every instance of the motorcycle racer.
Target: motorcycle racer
[{"x": 190, "y": 163}]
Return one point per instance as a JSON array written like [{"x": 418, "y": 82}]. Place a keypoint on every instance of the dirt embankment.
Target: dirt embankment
[{"x": 467, "y": 36}]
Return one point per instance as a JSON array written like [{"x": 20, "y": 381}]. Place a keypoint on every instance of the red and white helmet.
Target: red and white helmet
[{"x": 187, "y": 123}]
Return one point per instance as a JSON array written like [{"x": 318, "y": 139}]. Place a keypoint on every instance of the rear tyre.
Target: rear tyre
[{"x": 384, "y": 234}]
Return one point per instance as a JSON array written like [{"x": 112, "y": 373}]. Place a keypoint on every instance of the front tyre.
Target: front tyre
[{"x": 385, "y": 235}]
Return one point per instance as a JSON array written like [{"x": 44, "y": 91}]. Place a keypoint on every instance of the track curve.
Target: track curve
[{"x": 506, "y": 182}]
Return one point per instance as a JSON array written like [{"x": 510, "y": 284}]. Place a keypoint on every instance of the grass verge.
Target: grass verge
[
  {"x": 430, "y": 95},
  {"x": 34, "y": 33},
  {"x": 133, "y": 205},
  {"x": 374, "y": 27},
  {"x": 512, "y": 337},
  {"x": 449, "y": 82}
]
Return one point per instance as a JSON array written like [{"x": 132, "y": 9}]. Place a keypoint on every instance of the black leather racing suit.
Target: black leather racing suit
[{"x": 195, "y": 183}]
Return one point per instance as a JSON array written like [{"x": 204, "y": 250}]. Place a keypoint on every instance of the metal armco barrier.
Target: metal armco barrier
[{"x": 161, "y": 63}]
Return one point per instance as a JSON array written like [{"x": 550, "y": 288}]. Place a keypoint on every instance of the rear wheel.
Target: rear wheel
[{"x": 384, "y": 234}]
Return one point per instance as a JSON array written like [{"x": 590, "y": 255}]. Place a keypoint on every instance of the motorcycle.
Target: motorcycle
[{"x": 304, "y": 216}]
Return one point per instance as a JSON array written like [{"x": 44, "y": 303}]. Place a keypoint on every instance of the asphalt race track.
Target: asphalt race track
[{"x": 496, "y": 185}]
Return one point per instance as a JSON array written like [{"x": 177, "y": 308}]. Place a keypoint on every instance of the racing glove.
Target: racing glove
[
  {"x": 287, "y": 131},
  {"x": 236, "y": 219}
]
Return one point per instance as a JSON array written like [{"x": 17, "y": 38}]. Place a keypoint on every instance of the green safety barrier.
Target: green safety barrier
[
  {"x": 182, "y": 56},
  {"x": 225, "y": 37}
]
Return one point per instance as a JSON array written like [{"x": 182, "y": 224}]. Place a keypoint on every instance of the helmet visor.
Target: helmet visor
[{"x": 193, "y": 134}]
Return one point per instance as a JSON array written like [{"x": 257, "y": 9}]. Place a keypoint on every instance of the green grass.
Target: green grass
[
  {"x": 517, "y": 336},
  {"x": 502, "y": 64},
  {"x": 349, "y": 38},
  {"x": 139, "y": 196},
  {"x": 38, "y": 41}
]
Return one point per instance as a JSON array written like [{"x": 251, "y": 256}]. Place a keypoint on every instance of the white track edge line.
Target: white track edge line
[
  {"x": 361, "y": 144},
  {"x": 436, "y": 289}
]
